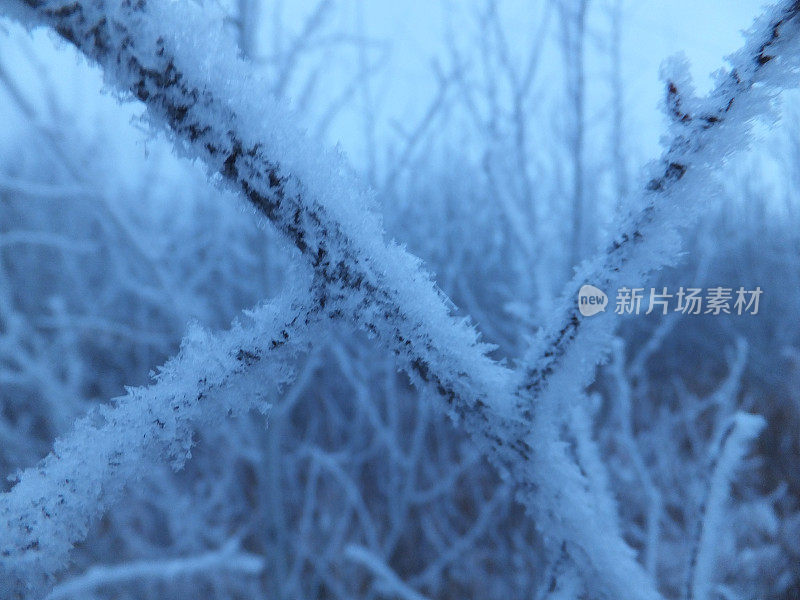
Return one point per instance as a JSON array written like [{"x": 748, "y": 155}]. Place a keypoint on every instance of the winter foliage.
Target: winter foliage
[{"x": 285, "y": 456}]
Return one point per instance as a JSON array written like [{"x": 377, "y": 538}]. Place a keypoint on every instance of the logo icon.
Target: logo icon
[{"x": 591, "y": 300}]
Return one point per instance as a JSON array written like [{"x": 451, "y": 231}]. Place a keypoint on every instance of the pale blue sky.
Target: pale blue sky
[
  {"x": 413, "y": 32},
  {"x": 706, "y": 30}
]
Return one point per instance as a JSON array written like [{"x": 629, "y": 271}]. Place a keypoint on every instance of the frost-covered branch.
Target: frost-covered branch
[
  {"x": 703, "y": 134},
  {"x": 53, "y": 504},
  {"x": 741, "y": 431},
  {"x": 228, "y": 558},
  {"x": 562, "y": 360},
  {"x": 627, "y": 439},
  {"x": 388, "y": 581},
  {"x": 175, "y": 58},
  {"x": 564, "y": 356}
]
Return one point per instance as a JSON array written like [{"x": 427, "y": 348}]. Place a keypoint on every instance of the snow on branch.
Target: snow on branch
[
  {"x": 52, "y": 505},
  {"x": 703, "y": 134},
  {"x": 227, "y": 558},
  {"x": 390, "y": 583},
  {"x": 727, "y": 456},
  {"x": 575, "y": 511},
  {"x": 175, "y": 57}
]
